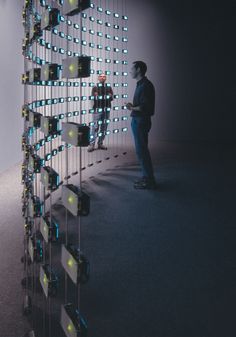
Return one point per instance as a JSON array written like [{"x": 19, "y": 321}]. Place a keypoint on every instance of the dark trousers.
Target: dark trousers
[
  {"x": 141, "y": 127},
  {"x": 100, "y": 127}
]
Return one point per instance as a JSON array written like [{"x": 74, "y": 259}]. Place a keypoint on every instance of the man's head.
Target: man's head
[
  {"x": 102, "y": 78},
  {"x": 138, "y": 69}
]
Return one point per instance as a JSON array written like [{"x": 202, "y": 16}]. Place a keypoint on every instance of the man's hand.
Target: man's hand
[{"x": 129, "y": 106}]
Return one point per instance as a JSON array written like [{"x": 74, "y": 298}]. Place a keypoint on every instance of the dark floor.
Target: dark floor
[{"x": 163, "y": 263}]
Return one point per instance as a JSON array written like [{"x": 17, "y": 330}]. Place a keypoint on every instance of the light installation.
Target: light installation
[{"x": 67, "y": 45}]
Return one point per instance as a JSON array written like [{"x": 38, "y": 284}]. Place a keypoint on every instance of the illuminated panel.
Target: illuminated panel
[
  {"x": 50, "y": 72},
  {"x": 72, "y": 7},
  {"x": 35, "y": 163},
  {"x": 75, "y": 134},
  {"x": 48, "y": 280},
  {"x": 34, "y": 119},
  {"x": 70, "y": 262},
  {"x": 50, "y": 19},
  {"x": 49, "y": 178},
  {"x": 76, "y": 67},
  {"x": 76, "y": 201},
  {"x": 35, "y": 31},
  {"x": 49, "y": 125},
  {"x": 72, "y": 322},
  {"x": 35, "y": 208},
  {"x": 49, "y": 230},
  {"x": 35, "y": 250},
  {"x": 34, "y": 75}
]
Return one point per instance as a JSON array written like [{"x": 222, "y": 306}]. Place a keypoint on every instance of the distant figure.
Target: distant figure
[
  {"x": 142, "y": 109},
  {"x": 103, "y": 95}
]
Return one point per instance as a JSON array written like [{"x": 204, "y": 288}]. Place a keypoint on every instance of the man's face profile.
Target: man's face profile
[{"x": 134, "y": 72}]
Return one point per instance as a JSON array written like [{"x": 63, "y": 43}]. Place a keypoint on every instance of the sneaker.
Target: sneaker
[
  {"x": 91, "y": 148},
  {"x": 102, "y": 147},
  {"x": 146, "y": 185}
]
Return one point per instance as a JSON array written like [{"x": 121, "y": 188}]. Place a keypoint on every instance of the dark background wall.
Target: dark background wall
[{"x": 190, "y": 51}]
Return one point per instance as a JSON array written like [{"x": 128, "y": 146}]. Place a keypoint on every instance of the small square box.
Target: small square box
[
  {"x": 75, "y": 134},
  {"x": 76, "y": 67},
  {"x": 50, "y": 19},
  {"x": 72, "y": 7}
]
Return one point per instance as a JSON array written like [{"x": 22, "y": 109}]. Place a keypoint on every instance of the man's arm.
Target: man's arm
[{"x": 130, "y": 106}]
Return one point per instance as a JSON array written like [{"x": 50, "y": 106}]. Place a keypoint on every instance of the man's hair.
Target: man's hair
[{"x": 142, "y": 66}]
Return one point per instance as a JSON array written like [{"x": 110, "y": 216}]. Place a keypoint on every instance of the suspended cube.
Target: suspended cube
[
  {"x": 76, "y": 67},
  {"x": 49, "y": 228},
  {"x": 35, "y": 207},
  {"x": 50, "y": 18},
  {"x": 50, "y": 72},
  {"x": 75, "y": 201},
  {"x": 49, "y": 178},
  {"x": 48, "y": 280},
  {"x": 35, "y": 31},
  {"x": 72, "y": 322},
  {"x": 72, "y": 7},
  {"x": 75, "y": 134},
  {"x": 34, "y": 119},
  {"x": 49, "y": 125},
  {"x": 35, "y": 249},
  {"x": 34, "y": 75},
  {"x": 35, "y": 163},
  {"x": 75, "y": 264}
]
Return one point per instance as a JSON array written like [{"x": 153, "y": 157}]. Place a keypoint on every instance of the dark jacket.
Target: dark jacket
[{"x": 144, "y": 97}]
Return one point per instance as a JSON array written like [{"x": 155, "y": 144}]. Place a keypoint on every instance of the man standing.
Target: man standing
[
  {"x": 142, "y": 109},
  {"x": 103, "y": 95}
]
